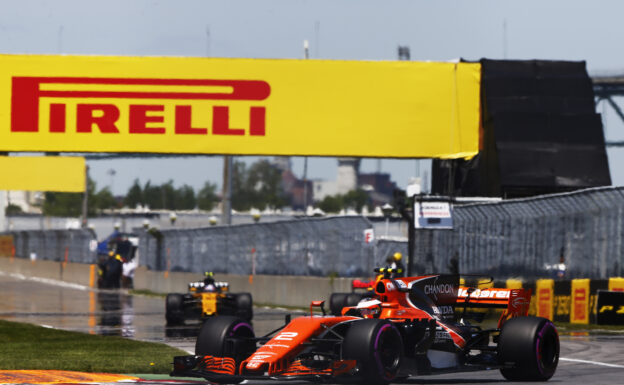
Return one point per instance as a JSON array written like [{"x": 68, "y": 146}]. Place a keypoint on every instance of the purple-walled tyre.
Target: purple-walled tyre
[
  {"x": 528, "y": 347},
  {"x": 377, "y": 347},
  {"x": 226, "y": 336}
]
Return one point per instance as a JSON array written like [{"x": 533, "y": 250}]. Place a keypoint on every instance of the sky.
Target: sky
[{"x": 336, "y": 29}]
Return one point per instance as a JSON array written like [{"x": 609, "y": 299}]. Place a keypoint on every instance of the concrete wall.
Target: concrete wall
[
  {"x": 77, "y": 273},
  {"x": 265, "y": 289}
]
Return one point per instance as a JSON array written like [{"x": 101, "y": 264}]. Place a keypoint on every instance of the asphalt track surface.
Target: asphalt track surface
[{"x": 585, "y": 359}]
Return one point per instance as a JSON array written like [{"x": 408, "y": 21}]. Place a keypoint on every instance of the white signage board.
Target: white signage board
[
  {"x": 369, "y": 236},
  {"x": 433, "y": 215}
]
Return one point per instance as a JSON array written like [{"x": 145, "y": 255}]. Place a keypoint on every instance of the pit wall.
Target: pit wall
[{"x": 552, "y": 299}]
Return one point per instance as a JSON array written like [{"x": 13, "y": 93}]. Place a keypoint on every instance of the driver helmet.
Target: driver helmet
[
  {"x": 397, "y": 256},
  {"x": 209, "y": 279},
  {"x": 369, "y": 307}
]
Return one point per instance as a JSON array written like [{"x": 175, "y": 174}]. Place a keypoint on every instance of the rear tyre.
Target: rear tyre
[
  {"x": 174, "y": 309},
  {"x": 353, "y": 299},
  {"x": 531, "y": 345},
  {"x": 377, "y": 347},
  {"x": 244, "y": 306},
  {"x": 336, "y": 303}
]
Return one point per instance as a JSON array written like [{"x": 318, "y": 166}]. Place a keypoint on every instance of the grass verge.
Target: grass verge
[{"x": 26, "y": 346}]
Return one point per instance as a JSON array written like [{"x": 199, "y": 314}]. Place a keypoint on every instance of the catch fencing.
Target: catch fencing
[
  {"x": 55, "y": 245},
  {"x": 523, "y": 238},
  {"x": 386, "y": 247},
  {"x": 319, "y": 247},
  {"x": 527, "y": 237}
]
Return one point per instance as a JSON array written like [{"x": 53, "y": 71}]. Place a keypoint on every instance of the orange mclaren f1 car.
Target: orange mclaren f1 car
[{"x": 410, "y": 326}]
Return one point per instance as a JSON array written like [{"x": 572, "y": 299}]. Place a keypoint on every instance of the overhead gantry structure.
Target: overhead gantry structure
[{"x": 606, "y": 88}]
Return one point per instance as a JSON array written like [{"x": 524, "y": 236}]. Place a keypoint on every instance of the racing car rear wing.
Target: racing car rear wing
[
  {"x": 360, "y": 284},
  {"x": 514, "y": 302}
]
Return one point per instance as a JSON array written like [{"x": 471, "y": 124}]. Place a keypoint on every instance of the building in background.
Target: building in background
[
  {"x": 29, "y": 202},
  {"x": 346, "y": 180},
  {"x": 379, "y": 187},
  {"x": 293, "y": 187}
]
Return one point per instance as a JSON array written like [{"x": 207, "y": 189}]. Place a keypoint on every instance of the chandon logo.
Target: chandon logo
[{"x": 445, "y": 288}]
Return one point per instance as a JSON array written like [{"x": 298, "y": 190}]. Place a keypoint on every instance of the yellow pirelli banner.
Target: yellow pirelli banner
[
  {"x": 616, "y": 284},
  {"x": 514, "y": 283},
  {"x": 579, "y": 306},
  {"x": 42, "y": 173},
  {"x": 239, "y": 106},
  {"x": 544, "y": 294}
]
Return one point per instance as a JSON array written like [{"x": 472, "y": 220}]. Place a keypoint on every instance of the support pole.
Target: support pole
[
  {"x": 3, "y": 205},
  {"x": 411, "y": 235},
  {"x": 306, "y": 54},
  {"x": 85, "y": 199},
  {"x": 305, "y": 184},
  {"x": 405, "y": 206},
  {"x": 226, "y": 200}
]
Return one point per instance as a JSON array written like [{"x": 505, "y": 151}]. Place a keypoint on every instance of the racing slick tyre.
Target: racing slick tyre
[
  {"x": 174, "y": 309},
  {"x": 336, "y": 303},
  {"x": 531, "y": 345},
  {"x": 377, "y": 347},
  {"x": 226, "y": 336},
  {"x": 244, "y": 306}
]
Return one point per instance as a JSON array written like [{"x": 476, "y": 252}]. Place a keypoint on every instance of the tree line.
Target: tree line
[{"x": 256, "y": 186}]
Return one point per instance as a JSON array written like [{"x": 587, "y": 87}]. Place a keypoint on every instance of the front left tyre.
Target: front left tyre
[
  {"x": 226, "y": 336},
  {"x": 376, "y": 345}
]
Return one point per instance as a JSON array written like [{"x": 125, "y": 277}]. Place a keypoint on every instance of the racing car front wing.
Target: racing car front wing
[{"x": 222, "y": 370}]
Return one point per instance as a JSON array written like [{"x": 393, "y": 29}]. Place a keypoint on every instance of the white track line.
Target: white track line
[
  {"x": 591, "y": 362},
  {"x": 47, "y": 281}
]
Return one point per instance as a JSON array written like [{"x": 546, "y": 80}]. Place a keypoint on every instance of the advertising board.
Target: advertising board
[
  {"x": 433, "y": 215},
  {"x": 42, "y": 173},
  {"x": 239, "y": 106}
]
